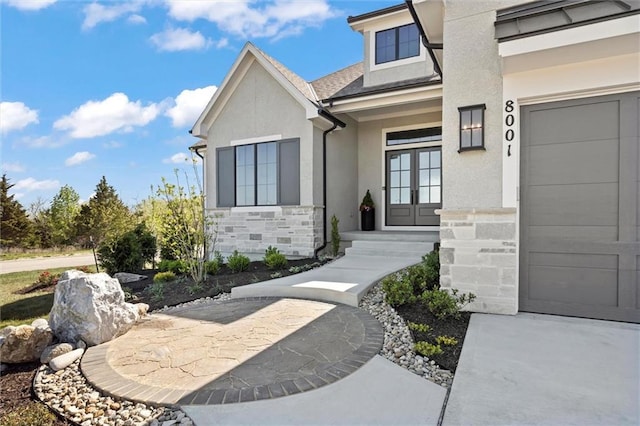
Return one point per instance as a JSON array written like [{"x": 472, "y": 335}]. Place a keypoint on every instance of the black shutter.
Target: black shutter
[
  {"x": 226, "y": 176},
  {"x": 289, "y": 172}
]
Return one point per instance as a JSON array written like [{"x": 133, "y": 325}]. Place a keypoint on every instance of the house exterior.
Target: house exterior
[{"x": 510, "y": 127}]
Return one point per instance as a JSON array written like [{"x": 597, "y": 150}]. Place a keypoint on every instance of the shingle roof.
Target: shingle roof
[
  {"x": 356, "y": 88},
  {"x": 327, "y": 86},
  {"x": 297, "y": 81}
]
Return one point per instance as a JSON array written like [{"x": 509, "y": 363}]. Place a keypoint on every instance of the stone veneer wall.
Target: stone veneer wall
[
  {"x": 478, "y": 255},
  {"x": 294, "y": 230}
]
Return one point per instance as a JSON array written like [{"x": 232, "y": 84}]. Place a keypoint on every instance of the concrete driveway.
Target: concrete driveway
[
  {"x": 546, "y": 370},
  {"x": 37, "y": 263}
]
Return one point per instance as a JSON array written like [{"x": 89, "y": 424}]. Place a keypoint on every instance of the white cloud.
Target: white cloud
[
  {"x": 179, "y": 158},
  {"x": 189, "y": 104},
  {"x": 30, "y": 4},
  {"x": 99, "y": 118},
  {"x": 244, "y": 19},
  {"x": 12, "y": 167},
  {"x": 79, "y": 158},
  {"x": 96, "y": 13},
  {"x": 222, "y": 43},
  {"x": 136, "y": 19},
  {"x": 176, "y": 39},
  {"x": 112, "y": 145},
  {"x": 48, "y": 141},
  {"x": 30, "y": 184},
  {"x": 16, "y": 116}
]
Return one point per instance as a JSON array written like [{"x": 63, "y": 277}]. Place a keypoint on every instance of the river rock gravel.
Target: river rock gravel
[{"x": 398, "y": 343}]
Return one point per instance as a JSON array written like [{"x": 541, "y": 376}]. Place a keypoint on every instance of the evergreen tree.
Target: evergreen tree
[
  {"x": 65, "y": 207},
  {"x": 105, "y": 216},
  {"x": 15, "y": 227}
]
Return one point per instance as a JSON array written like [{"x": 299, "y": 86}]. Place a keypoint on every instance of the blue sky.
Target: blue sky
[{"x": 111, "y": 88}]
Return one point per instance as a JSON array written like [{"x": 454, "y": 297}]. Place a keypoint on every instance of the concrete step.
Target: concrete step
[
  {"x": 389, "y": 248},
  {"x": 417, "y": 236}
]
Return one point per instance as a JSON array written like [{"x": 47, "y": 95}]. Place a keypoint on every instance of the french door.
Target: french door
[{"x": 413, "y": 187}]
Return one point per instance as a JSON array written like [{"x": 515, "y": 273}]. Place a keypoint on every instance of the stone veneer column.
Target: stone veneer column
[
  {"x": 294, "y": 230},
  {"x": 478, "y": 255}
]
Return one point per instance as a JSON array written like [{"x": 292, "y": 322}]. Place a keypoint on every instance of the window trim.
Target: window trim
[
  {"x": 397, "y": 45},
  {"x": 278, "y": 147},
  {"x": 471, "y": 108}
]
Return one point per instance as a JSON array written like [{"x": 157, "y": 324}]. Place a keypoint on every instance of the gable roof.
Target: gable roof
[{"x": 300, "y": 90}]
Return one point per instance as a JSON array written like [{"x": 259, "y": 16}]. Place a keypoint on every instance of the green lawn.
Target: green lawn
[{"x": 16, "y": 309}]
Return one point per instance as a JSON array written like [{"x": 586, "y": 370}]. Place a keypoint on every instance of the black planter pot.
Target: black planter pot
[{"x": 368, "y": 219}]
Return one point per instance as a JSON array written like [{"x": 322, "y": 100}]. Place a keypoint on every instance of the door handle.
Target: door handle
[{"x": 411, "y": 196}]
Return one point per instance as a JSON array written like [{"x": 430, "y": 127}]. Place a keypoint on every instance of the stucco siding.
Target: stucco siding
[{"x": 260, "y": 106}]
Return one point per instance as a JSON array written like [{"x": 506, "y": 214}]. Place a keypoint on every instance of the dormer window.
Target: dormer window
[{"x": 397, "y": 43}]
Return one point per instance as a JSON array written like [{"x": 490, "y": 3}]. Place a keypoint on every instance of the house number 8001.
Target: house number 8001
[{"x": 509, "y": 121}]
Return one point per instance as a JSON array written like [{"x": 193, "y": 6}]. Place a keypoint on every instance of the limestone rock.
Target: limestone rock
[
  {"x": 90, "y": 307},
  {"x": 40, "y": 322},
  {"x": 125, "y": 277},
  {"x": 143, "y": 308},
  {"x": 54, "y": 351},
  {"x": 24, "y": 343},
  {"x": 65, "y": 360}
]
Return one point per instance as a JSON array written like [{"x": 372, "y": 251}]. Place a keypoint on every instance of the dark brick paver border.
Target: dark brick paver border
[{"x": 100, "y": 374}]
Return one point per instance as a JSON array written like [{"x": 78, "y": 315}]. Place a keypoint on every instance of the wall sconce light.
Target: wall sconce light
[{"x": 472, "y": 127}]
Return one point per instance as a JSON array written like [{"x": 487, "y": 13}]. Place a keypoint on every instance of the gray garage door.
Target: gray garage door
[{"x": 579, "y": 224}]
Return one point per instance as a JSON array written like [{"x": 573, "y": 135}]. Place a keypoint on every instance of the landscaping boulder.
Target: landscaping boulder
[
  {"x": 24, "y": 343},
  {"x": 90, "y": 307},
  {"x": 65, "y": 360},
  {"x": 125, "y": 277},
  {"x": 53, "y": 351}
]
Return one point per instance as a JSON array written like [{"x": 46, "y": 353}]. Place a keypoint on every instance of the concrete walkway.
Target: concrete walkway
[
  {"x": 345, "y": 280},
  {"x": 546, "y": 370}
]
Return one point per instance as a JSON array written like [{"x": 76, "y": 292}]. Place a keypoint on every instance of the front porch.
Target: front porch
[{"x": 410, "y": 244}]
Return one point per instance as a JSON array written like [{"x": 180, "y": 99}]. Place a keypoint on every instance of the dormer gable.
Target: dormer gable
[{"x": 393, "y": 50}]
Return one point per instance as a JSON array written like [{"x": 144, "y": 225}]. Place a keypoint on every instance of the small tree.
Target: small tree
[
  {"x": 335, "y": 236},
  {"x": 65, "y": 207},
  {"x": 186, "y": 229}
]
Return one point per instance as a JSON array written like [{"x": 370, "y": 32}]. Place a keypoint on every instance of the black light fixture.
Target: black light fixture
[{"x": 472, "y": 127}]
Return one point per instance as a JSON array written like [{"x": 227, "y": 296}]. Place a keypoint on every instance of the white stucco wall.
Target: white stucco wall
[
  {"x": 260, "y": 106},
  {"x": 342, "y": 174}
]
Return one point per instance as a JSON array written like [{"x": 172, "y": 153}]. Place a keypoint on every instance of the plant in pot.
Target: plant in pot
[{"x": 367, "y": 213}]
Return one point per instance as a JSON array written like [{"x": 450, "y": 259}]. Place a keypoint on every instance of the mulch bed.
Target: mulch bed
[{"x": 457, "y": 328}]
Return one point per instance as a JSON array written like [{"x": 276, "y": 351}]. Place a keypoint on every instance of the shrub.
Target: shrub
[
  {"x": 128, "y": 252},
  {"x": 212, "y": 267},
  {"x": 335, "y": 236},
  {"x": 157, "y": 290},
  {"x": 422, "y": 328},
  {"x": 176, "y": 266},
  {"x": 163, "y": 277},
  {"x": 446, "y": 340},
  {"x": 397, "y": 290},
  {"x": 238, "y": 262},
  {"x": 32, "y": 414},
  {"x": 427, "y": 349},
  {"x": 47, "y": 279},
  {"x": 273, "y": 259},
  {"x": 443, "y": 304},
  {"x": 431, "y": 267}
]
